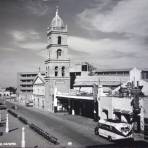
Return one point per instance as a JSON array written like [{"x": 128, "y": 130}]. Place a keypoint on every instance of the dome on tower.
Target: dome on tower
[{"x": 57, "y": 21}]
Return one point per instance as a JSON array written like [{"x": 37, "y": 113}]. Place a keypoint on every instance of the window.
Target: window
[
  {"x": 104, "y": 126},
  {"x": 56, "y": 71},
  {"x": 59, "y": 53},
  {"x": 144, "y": 75},
  {"x": 59, "y": 39},
  {"x": 63, "y": 71},
  {"x": 84, "y": 68}
]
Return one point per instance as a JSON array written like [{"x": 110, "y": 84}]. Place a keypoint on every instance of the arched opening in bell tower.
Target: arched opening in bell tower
[
  {"x": 59, "y": 53},
  {"x": 59, "y": 39},
  {"x": 63, "y": 71},
  {"x": 56, "y": 71}
]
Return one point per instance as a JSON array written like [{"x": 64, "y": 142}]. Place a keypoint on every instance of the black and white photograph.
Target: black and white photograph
[{"x": 73, "y": 73}]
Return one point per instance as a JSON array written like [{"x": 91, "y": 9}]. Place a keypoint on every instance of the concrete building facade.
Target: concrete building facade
[{"x": 25, "y": 85}]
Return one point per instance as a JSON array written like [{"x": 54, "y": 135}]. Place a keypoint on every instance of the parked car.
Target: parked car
[
  {"x": 14, "y": 107},
  {"x": 29, "y": 104}
]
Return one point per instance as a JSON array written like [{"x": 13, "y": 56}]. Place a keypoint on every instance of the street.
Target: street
[
  {"x": 71, "y": 131},
  {"x": 66, "y": 131}
]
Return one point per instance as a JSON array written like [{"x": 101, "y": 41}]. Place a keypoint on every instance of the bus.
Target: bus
[{"x": 114, "y": 129}]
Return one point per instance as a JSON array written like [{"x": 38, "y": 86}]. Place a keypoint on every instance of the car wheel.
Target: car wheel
[
  {"x": 110, "y": 138},
  {"x": 96, "y": 131}
]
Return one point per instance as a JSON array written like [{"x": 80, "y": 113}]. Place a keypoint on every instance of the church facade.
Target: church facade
[
  {"x": 39, "y": 91},
  {"x": 58, "y": 63}
]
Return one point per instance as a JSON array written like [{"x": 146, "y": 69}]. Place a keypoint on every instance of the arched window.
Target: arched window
[
  {"x": 59, "y": 39},
  {"x": 59, "y": 53},
  {"x": 63, "y": 71},
  {"x": 56, "y": 71}
]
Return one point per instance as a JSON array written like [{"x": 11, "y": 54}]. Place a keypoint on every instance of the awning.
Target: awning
[{"x": 123, "y": 112}]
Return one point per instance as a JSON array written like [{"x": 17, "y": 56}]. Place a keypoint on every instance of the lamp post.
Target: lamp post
[{"x": 23, "y": 138}]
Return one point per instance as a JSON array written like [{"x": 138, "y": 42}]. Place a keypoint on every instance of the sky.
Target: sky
[{"x": 106, "y": 33}]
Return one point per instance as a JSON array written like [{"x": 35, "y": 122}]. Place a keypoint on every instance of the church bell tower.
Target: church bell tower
[{"x": 58, "y": 62}]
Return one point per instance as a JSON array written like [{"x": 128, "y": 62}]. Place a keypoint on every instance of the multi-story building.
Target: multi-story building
[{"x": 25, "y": 85}]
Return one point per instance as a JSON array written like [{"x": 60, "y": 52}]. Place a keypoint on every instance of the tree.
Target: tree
[{"x": 11, "y": 89}]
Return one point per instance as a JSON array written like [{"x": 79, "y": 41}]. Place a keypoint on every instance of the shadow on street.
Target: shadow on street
[{"x": 13, "y": 129}]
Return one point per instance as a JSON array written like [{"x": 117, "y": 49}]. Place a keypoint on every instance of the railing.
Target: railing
[
  {"x": 44, "y": 134},
  {"x": 13, "y": 113}
]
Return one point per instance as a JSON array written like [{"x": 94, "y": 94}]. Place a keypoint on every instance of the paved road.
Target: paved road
[
  {"x": 66, "y": 131},
  {"x": 13, "y": 137}
]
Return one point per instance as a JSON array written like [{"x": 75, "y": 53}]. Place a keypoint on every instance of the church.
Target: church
[
  {"x": 58, "y": 62},
  {"x": 59, "y": 74}
]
